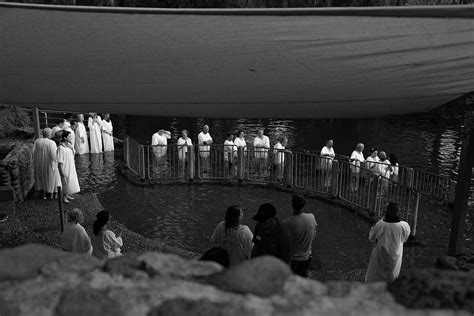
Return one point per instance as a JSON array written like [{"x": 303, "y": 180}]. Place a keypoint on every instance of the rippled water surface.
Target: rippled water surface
[{"x": 185, "y": 216}]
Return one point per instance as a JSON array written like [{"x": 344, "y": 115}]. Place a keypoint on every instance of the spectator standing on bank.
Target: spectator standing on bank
[
  {"x": 357, "y": 158},
  {"x": 183, "y": 142},
  {"x": 94, "y": 124},
  {"x": 279, "y": 156},
  {"x": 240, "y": 142},
  {"x": 395, "y": 167},
  {"x": 234, "y": 237},
  {"x": 47, "y": 177},
  {"x": 81, "y": 145},
  {"x": 105, "y": 243},
  {"x": 268, "y": 237},
  {"x": 230, "y": 155},
  {"x": 67, "y": 167},
  {"x": 204, "y": 142},
  {"x": 388, "y": 235},
  {"x": 327, "y": 156},
  {"x": 300, "y": 230},
  {"x": 159, "y": 141},
  {"x": 74, "y": 236},
  {"x": 107, "y": 133},
  {"x": 261, "y": 145}
]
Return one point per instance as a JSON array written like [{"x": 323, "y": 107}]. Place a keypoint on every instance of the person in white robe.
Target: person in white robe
[
  {"x": 58, "y": 127},
  {"x": 183, "y": 142},
  {"x": 68, "y": 118},
  {"x": 75, "y": 238},
  {"x": 94, "y": 124},
  {"x": 279, "y": 156},
  {"x": 71, "y": 129},
  {"x": 327, "y": 156},
  {"x": 261, "y": 145},
  {"x": 356, "y": 160},
  {"x": 230, "y": 156},
  {"x": 107, "y": 133},
  {"x": 81, "y": 144},
  {"x": 47, "y": 177},
  {"x": 388, "y": 235},
  {"x": 67, "y": 167},
  {"x": 105, "y": 243},
  {"x": 204, "y": 140},
  {"x": 159, "y": 141},
  {"x": 240, "y": 142}
]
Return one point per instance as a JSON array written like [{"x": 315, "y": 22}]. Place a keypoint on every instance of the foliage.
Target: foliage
[{"x": 12, "y": 119}]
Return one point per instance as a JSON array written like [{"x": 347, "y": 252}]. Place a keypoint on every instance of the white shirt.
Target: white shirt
[
  {"x": 183, "y": 147},
  {"x": 382, "y": 168},
  {"x": 328, "y": 152},
  {"x": 230, "y": 150},
  {"x": 370, "y": 162},
  {"x": 204, "y": 150},
  {"x": 279, "y": 154},
  {"x": 261, "y": 146},
  {"x": 162, "y": 141}
]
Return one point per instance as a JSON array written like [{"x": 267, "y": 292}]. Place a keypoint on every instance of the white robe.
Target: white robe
[
  {"x": 328, "y": 155},
  {"x": 68, "y": 167},
  {"x": 386, "y": 258},
  {"x": 160, "y": 142},
  {"x": 81, "y": 147},
  {"x": 106, "y": 138},
  {"x": 183, "y": 147},
  {"x": 239, "y": 142},
  {"x": 261, "y": 152},
  {"x": 95, "y": 135},
  {"x": 204, "y": 151},
  {"x": 73, "y": 138},
  {"x": 47, "y": 176}
]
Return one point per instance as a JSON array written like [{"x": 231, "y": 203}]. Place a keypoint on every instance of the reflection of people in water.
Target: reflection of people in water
[
  {"x": 159, "y": 142},
  {"x": 97, "y": 164}
]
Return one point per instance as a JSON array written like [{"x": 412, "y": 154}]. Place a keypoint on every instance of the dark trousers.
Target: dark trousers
[{"x": 301, "y": 268}]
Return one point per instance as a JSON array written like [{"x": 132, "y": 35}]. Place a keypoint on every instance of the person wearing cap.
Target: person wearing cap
[
  {"x": 268, "y": 238},
  {"x": 300, "y": 230}
]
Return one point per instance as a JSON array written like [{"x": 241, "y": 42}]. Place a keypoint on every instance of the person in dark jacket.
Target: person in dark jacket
[{"x": 268, "y": 237}]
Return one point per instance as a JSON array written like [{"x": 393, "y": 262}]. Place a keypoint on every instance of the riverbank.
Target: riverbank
[{"x": 38, "y": 221}]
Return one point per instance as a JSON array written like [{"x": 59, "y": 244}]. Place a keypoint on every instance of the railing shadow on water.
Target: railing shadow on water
[{"x": 340, "y": 180}]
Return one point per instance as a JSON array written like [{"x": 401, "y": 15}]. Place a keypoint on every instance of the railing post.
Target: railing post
[
  {"x": 61, "y": 208},
  {"x": 289, "y": 168},
  {"x": 373, "y": 195},
  {"x": 36, "y": 123},
  {"x": 334, "y": 178},
  {"x": 46, "y": 119},
  {"x": 141, "y": 162},
  {"x": 126, "y": 153},
  {"x": 240, "y": 163},
  {"x": 415, "y": 215},
  {"x": 411, "y": 178},
  {"x": 191, "y": 162},
  {"x": 452, "y": 192}
]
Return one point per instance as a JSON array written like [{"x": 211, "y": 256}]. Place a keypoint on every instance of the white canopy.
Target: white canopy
[{"x": 236, "y": 63}]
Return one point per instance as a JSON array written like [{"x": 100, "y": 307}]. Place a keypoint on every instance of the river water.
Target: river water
[{"x": 185, "y": 216}]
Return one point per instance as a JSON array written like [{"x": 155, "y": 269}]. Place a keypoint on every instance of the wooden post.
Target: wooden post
[
  {"x": 463, "y": 189},
  {"x": 36, "y": 123},
  {"x": 334, "y": 178},
  {"x": 61, "y": 208}
]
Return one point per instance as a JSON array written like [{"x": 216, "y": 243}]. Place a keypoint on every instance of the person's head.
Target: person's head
[
  {"x": 382, "y": 156},
  {"x": 106, "y": 116},
  {"x": 47, "y": 133},
  {"x": 241, "y": 134},
  {"x": 360, "y": 147},
  {"x": 373, "y": 152},
  {"x": 103, "y": 218},
  {"x": 265, "y": 212},
  {"x": 233, "y": 217},
  {"x": 58, "y": 136},
  {"x": 329, "y": 143},
  {"x": 61, "y": 122},
  {"x": 80, "y": 118},
  {"x": 184, "y": 133},
  {"x": 297, "y": 202},
  {"x": 283, "y": 140},
  {"x": 66, "y": 136},
  {"x": 75, "y": 216},
  {"x": 68, "y": 117},
  {"x": 161, "y": 132},
  {"x": 205, "y": 129},
  {"x": 73, "y": 125},
  {"x": 393, "y": 159},
  {"x": 230, "y": 136},
  {"x": 260, "y": 132},
  {"x": 392, "y": 215},
  {"x": 93, "y": 115}
]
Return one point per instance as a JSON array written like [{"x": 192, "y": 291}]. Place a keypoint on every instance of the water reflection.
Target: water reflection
[{"x": 96, "y": 172}]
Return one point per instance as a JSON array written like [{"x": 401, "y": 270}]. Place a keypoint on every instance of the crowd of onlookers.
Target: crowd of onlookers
[
  {"x": 54, "y": 152},
  {"x": 289, "y": 240}
]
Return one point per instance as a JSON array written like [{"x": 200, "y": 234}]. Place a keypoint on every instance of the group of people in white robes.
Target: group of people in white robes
[
  {"x": 101, "y": 133},
  {"x": 104, "y": 244},
  {"x": 54, "y": 164}
]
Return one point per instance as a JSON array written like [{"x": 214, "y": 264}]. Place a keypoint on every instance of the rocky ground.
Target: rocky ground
[{"x": 39, "y": 280}]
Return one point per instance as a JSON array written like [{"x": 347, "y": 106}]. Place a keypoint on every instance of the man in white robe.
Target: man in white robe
[
  {"x": 107, "y": 133},
  {"x": 81, "y": 144},
  {"x": 160, "y": 141},
  {"x": 204, "y": 140},
  {"x": 47, "y": 177},
  {"x": 95, "y": 133},
  {"x": 261, "y": 145}
]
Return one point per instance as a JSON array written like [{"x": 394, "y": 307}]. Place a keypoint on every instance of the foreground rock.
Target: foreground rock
[{"x": 37, "y": 280}]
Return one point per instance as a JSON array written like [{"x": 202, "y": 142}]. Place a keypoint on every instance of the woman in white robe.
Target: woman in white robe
[
  {"x": 47, "y": 177},
  {"x": 183, "y": 142},
  {"x": 67, "y": 167},
  {"x": 81, "y": 144},
  {"x": 94, "y": 124},
  {"x": 107, "y": 133},
  {"x": 388, "y": 234}
]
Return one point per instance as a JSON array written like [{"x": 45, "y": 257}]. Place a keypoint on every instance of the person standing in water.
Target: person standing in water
[
  {"x": 107, "y": 133},
  {"x": 81, "y": 144},
  {"x": 94, "y": 124}
]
